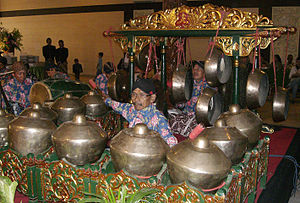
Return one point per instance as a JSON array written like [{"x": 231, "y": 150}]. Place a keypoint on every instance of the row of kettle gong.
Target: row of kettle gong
[
  {"x": 141, "y": 151},
  {"x": 204, "y": 162}
]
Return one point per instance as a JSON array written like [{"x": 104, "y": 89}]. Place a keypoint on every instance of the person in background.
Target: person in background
[
  {"x": 102, "y": 79},
  {"x": 61, "y": 56},
  {"x": 4, "y": 69},
  {"x": 49, "y": 52},
  {"x": 295, "y": 79},
  {"x": 54, "y": 73},
  {"x": 290, "y": 63},
  {"x": 124, "y": 62},
  {"x": 99, "y": 64},
  {"x": 183, "y": 122},
  {"x": 143, "y": 110},
  {"x": 77, "y": 69},
  {"x": 18, "y": 88}
]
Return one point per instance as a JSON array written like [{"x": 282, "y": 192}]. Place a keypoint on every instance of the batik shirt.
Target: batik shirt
[
  {"x": 101, "y": 82},
  {"x": 149, "y": 116},
  {"x": 18, "y": 93},
  {"x": 198, "y": 87}
]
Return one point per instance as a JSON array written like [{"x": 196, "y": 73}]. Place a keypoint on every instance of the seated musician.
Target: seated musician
[
  {"x": 143, "y": 110},
  {"x": 53, "y": 72},
  {"x": 3, "y": 70},
  {"x": 17, "y": 89},
  {"x": 102, "y": 79},
  {"x": 182, "y": 123}
]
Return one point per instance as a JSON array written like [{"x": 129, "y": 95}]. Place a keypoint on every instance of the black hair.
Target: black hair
[
  {"x": 60, "y": 41},
  {"x": 100, "y": 53},
  {"x": 76, "y": 59},
  {"x": 48, "y": 39}
]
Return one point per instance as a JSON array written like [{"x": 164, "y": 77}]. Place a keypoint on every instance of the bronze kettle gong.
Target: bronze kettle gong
[
  {"x": 67, "y": 107},
  {"x": 229, "y": 139},
  {"x": 257, "y": 89},
  {"x": 45, "y": 112},
  {"x": 209, "y": 106},
  {"x": 118, "y": 86},
  {"x": 94, "y": 104},
  {"x": 280, "y": 105},
  {"x": 4, "y": 120},
  {"x": 182, "y": 85},
  {"x": 198, "y": 162},
  {"x": 138, "y": 150},
  {"x": 79, "y": 141},
  {"x": 30, "y": 134},
  {"x": 217, "y": 68},
  {"x": 244, "y": 120}
]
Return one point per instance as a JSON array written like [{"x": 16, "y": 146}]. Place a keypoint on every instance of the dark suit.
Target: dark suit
[
  {"x": 49, "y": 53},
  {"x": 61, "y": 58}
]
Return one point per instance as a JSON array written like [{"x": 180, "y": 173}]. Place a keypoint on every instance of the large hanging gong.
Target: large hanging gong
[
  {"x": 209, "y": 106},
  {"x": 217, "y": 68},
  {"x": 118, "y": 86},
  {"x": 182, "y": 85},
  {"x": 280, "y": 105},
  {"x": 257, "y": 89}
]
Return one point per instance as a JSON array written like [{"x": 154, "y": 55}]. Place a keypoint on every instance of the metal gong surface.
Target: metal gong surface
[
  {"x": 218, "y": 68},
  {"x": 229, "y": 139},
  {"x": 280, "y": 105},
  {"x": 198, "y": 162},
  {"x": 182, "y": 85},
  {"x": 257, "y": 89},
  {"x": 94, "y": 104},
  {"x": 208, "y": 107},
  {"x": 118, "y": 86}
]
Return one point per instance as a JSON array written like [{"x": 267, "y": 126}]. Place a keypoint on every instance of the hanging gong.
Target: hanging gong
[
  {"x": 209, "y": 106},
  {"x": 280, "y": 105},
  {"x": 257, "y": 89},
  {"x": 217, "y": 68},
  {"x": 118, "y": 86},
  {"x": 182, "y": 85}
]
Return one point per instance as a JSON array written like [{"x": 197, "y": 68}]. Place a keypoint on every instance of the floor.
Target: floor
[{"x": 293, "y": 120}]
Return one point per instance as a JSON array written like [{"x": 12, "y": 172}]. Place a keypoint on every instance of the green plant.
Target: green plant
[
  {"x": 122, "y": 196},
  {"x": 10, "y": 40},
  {"x": 7, "y": 189}
]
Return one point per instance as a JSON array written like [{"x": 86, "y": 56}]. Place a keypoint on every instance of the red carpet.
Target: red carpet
[
  {"x": 280, "y": 141},
  {"x": 279, "y": 144}
]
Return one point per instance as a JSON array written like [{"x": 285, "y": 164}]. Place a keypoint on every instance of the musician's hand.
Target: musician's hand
[{"x": 104, "y": 96}]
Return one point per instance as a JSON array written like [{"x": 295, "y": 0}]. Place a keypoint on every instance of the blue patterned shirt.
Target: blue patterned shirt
[
  {"x": 189, "y": 106},
  {"x": 150, "y": 116},
  {"x": 17, "y": 92},
  {"x": 101, "y": 82}
]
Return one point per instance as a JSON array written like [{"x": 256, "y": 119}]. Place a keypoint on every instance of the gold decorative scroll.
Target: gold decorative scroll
[
  {"x": 139, "y": 43},
  {"x": 207, "y": 16},
  {"x": 226, "y": 44}
]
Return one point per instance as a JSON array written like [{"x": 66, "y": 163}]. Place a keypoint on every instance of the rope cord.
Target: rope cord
[
  {"x": 295, "y": 178},
  {"x": 259, "y": 58},
  {"x": 272, "y": 48},
  {"x": 180, "y": 51},
  {"x": 148, "y": 68},
  {"x": 285, "y": 60},
  {"x": 256, "y": 39},
  {"x": 111, "y": 49}
]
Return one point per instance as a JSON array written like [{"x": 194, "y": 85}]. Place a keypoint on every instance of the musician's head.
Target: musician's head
[
  {"x": 19, "y": 71},
  {"x": 143, "y": 94},
  {"x": 198, "y": 70},
  {"x": 51, "y": 71}
]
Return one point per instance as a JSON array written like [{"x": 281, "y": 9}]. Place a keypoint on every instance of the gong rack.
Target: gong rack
[{"x": 239, "y": 32}]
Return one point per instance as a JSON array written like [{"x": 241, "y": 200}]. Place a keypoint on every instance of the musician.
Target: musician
[
  {"x": 54, "y": 73},
  {"x": 182, "y": 123},
  {"x": 3, "y": 70},
  {"x": 102, "y": 79},
  {"x": 17, "y": 89},
  {"x": 143, "y": 110}
]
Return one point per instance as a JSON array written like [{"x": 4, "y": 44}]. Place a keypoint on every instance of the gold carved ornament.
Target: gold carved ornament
[{"x": 207, "y": 16}]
